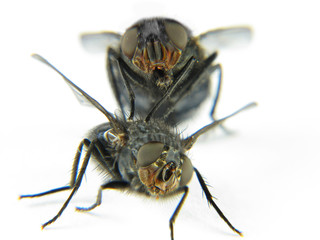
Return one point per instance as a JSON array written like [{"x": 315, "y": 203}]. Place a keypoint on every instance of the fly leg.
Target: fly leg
[
  {"x": 212, "y": 203},
  {"x": 205, "y": 68},
  {"x": 76, "y": 178},
  {"x": 77, "y": 183},
  {"x": 180, "y": 80},
  {"x": 114, "y": 74},
  {"x": 110, "y": 185},
  {"x": 185, "y": 189},
  {"x": 75, "y": 165},
  {"x": 116, "y": 68},
  {"x": 217, "y": 94}
]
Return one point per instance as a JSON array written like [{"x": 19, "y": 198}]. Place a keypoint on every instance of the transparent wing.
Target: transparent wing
[
  {"x": 99, "y": 42},
  {"x": 82, "y": 99},
  {"x": 78, "y": 91},
  {"x": 225, "y": 38}
]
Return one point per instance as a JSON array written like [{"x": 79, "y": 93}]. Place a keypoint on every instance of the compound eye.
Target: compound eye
[
  {"x": 177, "y": 34},
  {"x": 187, "y": 171},
  {"x": 149, "y": 153},
  {"x": 129, "y": 42}
]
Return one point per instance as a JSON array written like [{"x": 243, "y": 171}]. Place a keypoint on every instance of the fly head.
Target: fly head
[
  {"x": 163, "y": 169},
  {"x": 155, "y": 46}
]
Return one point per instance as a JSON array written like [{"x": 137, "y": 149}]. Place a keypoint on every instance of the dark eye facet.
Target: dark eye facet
[
  {"x": 177, "y": 34},
  {"x": 129, "y": 42},
  {"x": 187, "y": 171},
  {"x": 149, "y": 153}
]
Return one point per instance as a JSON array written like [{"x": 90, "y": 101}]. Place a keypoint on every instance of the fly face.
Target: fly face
[
  {"x": 160, "y": 173},
  {"x": 162, "y": 177},
  {"x": 160, "y": 55},
  {"x": 142, "y": 156},
  {"x": 155, "y": 46}
]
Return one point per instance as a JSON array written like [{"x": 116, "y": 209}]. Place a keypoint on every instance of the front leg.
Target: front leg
[
  {"x": 119, "y": 185},
  {"x": 185, "y": 189},
  {"x": 212, "y": 203},
  {"x": 114, "y": 76},
  {"x": 77, "y": 183},
  {"x": 118, "y": 71},
  {"x": 184, "y": 82},
  {"x": 84, "y": 142},
  {"x": 218, "y": 90}
]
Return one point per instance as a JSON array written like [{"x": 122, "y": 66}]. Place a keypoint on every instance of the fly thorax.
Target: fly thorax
[{"x": 141, "y": 132}]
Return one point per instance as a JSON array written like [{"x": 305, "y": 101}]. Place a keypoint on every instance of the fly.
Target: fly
[
  {"x": 144, "y": 156},
  {"x": 157, "y": 55}
]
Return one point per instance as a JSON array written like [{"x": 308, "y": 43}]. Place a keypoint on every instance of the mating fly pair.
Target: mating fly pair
[{"x": 144, "y": 154}]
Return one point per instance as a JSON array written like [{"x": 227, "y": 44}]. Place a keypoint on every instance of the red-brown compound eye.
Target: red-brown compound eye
[
  {"x": 129, "y": 42},
  {"x": 177, "y": 34}
]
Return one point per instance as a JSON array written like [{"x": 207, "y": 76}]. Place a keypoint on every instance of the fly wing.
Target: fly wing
[
  {"x": 225, "y": 38},
  {"x": 79, "y": 92},
  {"x": 99, "y": 42},
  {"x": 81, "y": 99}
]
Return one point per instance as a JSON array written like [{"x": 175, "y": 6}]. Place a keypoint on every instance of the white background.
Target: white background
[{"x": 265, "y": 175}]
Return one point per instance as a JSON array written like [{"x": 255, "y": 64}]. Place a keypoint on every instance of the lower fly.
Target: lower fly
[{"x": 144, "y": 156}]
